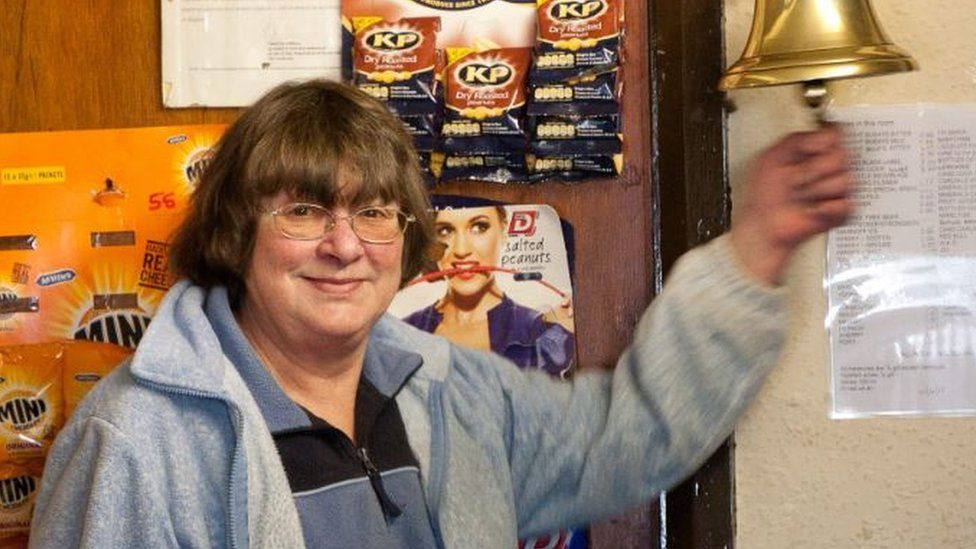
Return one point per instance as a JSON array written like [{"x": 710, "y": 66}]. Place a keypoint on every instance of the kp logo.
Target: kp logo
[
  {"x": 577, "y": 11},
  {"x": 522, "y": 223},
  {"x": 479, "y": 74},
  {"x": 392, "y": 41}
]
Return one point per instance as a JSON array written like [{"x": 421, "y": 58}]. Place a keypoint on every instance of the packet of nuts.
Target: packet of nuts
[
  {"x": 484, "y": 100},
  {"x": 576, "y": 38},
  {"x": 394, "y": 61}
]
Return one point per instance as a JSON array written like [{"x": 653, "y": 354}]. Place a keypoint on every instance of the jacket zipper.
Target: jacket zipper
[
  {"x": 236, "y": 420},
  {"x": 390, "y": 509}
]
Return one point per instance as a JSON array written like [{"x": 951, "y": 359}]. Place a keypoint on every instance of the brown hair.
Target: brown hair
[{"x": 298, "y": 138}]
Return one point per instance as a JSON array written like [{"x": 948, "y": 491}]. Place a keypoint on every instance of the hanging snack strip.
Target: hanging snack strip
[
  {"x": 574, "y": 109},
  {"x": 576, "y": 39},
  {"x": 484, "y": 133},
  {"x": 396, "y": 62},
  {"x": 498, "y": 168},
  {"x": 503, "y": 114},
  {"x": 575, "y": 135}
]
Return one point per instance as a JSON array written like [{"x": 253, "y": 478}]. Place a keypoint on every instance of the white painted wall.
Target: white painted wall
[{"x": 803, "y": 480}]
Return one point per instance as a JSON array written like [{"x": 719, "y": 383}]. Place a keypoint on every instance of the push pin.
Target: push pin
[{"x": 109, "y": 196}]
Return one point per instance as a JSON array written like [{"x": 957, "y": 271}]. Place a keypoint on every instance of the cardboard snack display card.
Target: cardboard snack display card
[
  {"x": 83, "y": 254},
  {"x": 83, "y": 266},
  {"x": 510, "y": 264},
  {"x": 500, "y": 282}
]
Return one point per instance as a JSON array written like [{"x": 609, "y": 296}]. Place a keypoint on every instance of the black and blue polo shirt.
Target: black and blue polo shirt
[{"x": 348, "y": 495}]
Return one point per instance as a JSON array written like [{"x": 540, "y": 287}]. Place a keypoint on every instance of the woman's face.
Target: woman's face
[
  {"x": 473, "y": 237},
  {"x": 333, "y": 289}
]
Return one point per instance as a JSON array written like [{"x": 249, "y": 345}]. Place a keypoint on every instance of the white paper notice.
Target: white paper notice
[
  {"x": 226, "y": 53},
  {"x": 901, "y": 276}
]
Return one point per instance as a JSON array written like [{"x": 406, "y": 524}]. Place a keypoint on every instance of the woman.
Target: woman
[
  {"x": 271, "y": 403},
  {"x": 475, "y": 312}
]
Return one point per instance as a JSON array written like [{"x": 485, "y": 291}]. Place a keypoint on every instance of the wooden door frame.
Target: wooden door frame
[{"x": 693, "y": 205}]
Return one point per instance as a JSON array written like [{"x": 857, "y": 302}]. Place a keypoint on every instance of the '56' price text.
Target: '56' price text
[{"x": 162, "y": 201}]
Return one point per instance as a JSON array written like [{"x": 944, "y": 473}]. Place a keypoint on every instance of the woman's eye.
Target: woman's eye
[
  {"x": 443, "y": 231},
  {"x": 480, "y": 227},
  {"x": 376, "y": 213},
  {"x": 299, "y": 210}
]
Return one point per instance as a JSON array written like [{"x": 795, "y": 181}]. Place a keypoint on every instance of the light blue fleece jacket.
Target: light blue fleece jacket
[{"x": 171, "y": 449}]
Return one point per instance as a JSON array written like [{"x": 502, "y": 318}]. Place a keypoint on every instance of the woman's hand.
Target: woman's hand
[
  {"x": 562, "y": 315},
  {"x": 797, "y": 188}
]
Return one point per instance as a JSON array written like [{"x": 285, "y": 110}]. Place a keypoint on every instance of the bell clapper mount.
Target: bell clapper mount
[{"x": 816, "y": 97}]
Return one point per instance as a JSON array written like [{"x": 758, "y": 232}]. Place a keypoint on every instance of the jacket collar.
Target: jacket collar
[
  {"x": 187, "y": 354},
  {"x": 180, "y": 348},
  {"x": 279, "y": 411},
  {"x": 386, "y": 367}
]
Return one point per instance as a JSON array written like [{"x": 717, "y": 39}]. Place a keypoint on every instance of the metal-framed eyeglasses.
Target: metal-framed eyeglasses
[{"x": 372, "y": 224}]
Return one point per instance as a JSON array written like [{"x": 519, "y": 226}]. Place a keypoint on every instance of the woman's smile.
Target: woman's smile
[
  {"x": 335, "y": 285},
  {"x": 467, "y": 268}
]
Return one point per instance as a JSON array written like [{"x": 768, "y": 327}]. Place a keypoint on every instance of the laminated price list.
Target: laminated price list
[{"x": 901, "y": 275}]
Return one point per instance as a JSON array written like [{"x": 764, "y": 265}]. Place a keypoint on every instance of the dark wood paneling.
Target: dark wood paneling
[
  {"x": 690, "y": 137},
  {"x": 85, "y": 64}
]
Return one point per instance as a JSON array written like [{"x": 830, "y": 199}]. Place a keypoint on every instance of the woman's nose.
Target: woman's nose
[
  {"x": 342, "y": 242},
  {"x": 461, "y": 247}
]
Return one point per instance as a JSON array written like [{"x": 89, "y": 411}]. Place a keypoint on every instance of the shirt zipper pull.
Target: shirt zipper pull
[{"x": 390, "y": 509}]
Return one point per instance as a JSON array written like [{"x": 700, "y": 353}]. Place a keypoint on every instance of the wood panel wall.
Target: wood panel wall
[{"x": 85, "y": 64}]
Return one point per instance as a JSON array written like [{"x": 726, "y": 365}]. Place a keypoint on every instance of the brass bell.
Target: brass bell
[{"x": 811, "y": 41}]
